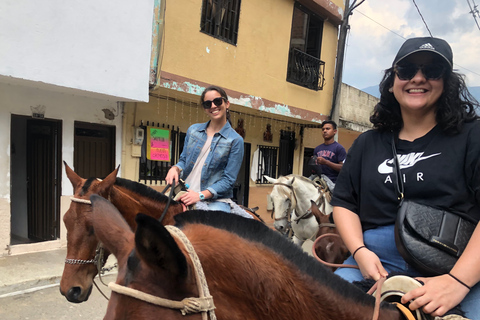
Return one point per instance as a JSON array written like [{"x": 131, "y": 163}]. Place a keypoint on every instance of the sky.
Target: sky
[{"x": 379, "y": 27}]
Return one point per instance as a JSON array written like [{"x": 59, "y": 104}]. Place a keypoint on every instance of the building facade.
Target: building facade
[
  {"x": 276, "y": 61},
  {"x": 65, "y": 74}
]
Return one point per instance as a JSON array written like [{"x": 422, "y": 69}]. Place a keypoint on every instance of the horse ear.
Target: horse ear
[
  {"x": 74, "y": 178},
  {"x": 271, "y": 180},
  {"x": 157, "y": 247},
  {"x": 109, "y": 181},
  {"x": 110, "y": 227}
]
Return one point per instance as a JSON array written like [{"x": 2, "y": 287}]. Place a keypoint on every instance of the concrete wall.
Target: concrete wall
[
  {"x": 355, "y": 110},
  {"x": 20, "y": 100},
  {"x": 99, "y": 47}
]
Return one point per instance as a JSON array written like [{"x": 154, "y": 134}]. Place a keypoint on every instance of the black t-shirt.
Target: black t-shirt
[{"x": 438, "y": 170}]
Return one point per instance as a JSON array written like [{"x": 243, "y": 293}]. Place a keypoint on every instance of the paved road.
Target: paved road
[{"x": 49, "y": 304}]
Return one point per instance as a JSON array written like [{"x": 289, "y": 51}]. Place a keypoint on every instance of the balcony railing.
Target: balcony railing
[{"x": 305, "y": 70}]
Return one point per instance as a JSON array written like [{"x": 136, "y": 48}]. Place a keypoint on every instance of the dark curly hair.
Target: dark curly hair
[{"x": 454, "y": 107}]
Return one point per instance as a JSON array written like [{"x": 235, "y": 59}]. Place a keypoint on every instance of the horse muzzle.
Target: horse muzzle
[{"x": 77, "y": 294}]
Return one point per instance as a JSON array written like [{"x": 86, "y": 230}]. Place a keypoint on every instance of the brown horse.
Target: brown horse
[
  {"x": 331, "y": 248},
  {"x": 250, "y": 271},
  {"x": 128, "y": 197}
]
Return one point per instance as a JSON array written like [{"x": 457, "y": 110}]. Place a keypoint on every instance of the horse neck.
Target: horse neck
[
  {"x": 281, "y": 292},
  {"x": 304, "y": 193},
  {"x": 130, "y": 203}
]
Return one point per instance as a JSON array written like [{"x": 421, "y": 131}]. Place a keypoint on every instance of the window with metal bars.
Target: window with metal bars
[
  {"x": 267, "y": 163},
  {"x": 220, "y": 19},
  {"x": 156, "y": 171},
  {"x": 304, "y": 65}
]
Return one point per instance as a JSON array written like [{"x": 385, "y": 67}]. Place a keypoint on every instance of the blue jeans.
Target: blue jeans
[
  {"x": 382, "y": 241},
  {"x": 217, "y": 205}
]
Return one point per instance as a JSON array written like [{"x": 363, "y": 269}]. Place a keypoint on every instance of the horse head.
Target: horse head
[
  {"x": 148, "y": 256},
  {"x": 283, "y": 201},
  {"x": 80, "y": 264}
]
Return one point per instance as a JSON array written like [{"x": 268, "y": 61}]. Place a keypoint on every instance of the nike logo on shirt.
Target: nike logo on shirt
[{"x": 405, "y": 160}]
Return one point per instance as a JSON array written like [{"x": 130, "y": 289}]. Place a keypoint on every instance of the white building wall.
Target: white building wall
[
  {"x": 19, "y": 100},
  {"x": 98, "y": 47}
]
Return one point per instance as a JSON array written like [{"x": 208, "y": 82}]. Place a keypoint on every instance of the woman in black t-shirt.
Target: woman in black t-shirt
[{"x": 428, "y": 107}]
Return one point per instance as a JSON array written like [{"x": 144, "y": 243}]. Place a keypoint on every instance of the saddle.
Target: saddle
[
  {"x": 181, "y": 188},
  {"x": 324, "y": 186},
  {"x": 395, "y": 287}
]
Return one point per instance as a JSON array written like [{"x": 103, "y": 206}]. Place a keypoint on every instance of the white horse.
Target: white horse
[{"x": 291, "y": 197}]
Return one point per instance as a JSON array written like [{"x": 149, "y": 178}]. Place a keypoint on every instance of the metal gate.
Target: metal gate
[
  {"x": 43, "y": 179},
  {"x": 94, "y": 150}
]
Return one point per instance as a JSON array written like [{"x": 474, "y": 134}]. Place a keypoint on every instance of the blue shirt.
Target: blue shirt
[
  {"x": 223, "y": 162},
  {"x": 333, "y": 152}
]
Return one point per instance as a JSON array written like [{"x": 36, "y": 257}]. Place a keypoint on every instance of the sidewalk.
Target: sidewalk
[
  {"x": 30, "y": 270},
  {"x": 33, "y": 271}
]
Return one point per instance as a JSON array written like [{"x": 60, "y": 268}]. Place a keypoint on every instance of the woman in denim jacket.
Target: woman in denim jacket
[{"x": 212, "y": 155}]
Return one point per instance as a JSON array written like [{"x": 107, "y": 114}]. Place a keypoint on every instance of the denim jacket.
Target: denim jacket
[{"x": 220, "y": 170}]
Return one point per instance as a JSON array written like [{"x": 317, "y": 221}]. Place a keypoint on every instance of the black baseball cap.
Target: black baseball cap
[{"x": 429, "y": 44}]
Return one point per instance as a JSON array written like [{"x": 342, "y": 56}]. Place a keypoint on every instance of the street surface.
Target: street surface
[{"x": 49, "y": 304}]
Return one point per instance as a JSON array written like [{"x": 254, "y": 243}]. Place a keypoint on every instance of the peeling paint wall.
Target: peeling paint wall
[{"x": 257, "y": 65}]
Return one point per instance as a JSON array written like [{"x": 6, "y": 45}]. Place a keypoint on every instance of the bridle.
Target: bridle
[
  {"x": 203, "y": 303},
  {"x": 99, "y": 258},
  {"x": 293, "y": 205}
]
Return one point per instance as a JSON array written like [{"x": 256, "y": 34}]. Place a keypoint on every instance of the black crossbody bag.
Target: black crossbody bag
[{"x": 429, "y": 239}]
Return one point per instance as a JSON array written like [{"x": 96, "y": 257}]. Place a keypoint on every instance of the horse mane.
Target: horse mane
[
  {"x": 142, "y": 190},
  {"x": 255, "y": 231},
  {"x": 86, "y": 186}
]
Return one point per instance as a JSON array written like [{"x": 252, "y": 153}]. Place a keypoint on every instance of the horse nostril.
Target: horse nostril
[{"x": 73, "y": 294}]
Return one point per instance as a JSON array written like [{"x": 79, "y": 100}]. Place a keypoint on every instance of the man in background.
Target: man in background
[{"x": 330, "y": 155}]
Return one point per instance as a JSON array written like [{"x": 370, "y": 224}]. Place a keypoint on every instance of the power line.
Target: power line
[
  {"x": 422, "y": 17},
  {"x": 399, "y": 35},
  {"x": 474, "y": 12},
  {"x": 382, "y": 25}
]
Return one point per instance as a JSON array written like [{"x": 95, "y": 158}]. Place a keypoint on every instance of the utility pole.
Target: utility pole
[{"x": 337, "y": 84}]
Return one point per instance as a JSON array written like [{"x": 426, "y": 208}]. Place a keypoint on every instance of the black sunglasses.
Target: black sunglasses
[
  {"x": 430, "y": 71},
  {"x": 208, "y": 104}
]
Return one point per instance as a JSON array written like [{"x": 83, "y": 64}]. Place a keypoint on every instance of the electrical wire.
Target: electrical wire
[
  {"x": 474, "y": 12},
  {"x": 382, "y": 25},
  {"x": 422, "y": 18},
  {"x": 471, "y": 71}
]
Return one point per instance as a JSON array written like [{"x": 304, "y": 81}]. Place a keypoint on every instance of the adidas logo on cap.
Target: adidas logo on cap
[{"x": 426, "y": 46}]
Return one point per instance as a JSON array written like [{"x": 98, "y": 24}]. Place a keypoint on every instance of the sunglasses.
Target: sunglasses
[
  {"x": 208, "y": 104},
  {"x": 430, "y": 71}
]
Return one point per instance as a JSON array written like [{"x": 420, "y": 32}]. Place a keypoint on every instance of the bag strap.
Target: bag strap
[{"x": 397, "y": 174}]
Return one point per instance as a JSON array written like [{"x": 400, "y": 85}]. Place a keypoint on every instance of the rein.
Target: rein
[
  {"x": 203, "y": 304},
  {"x": 169, "y": 199}
]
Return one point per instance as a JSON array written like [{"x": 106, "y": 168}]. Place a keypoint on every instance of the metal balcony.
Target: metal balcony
[{"x": 305, "y": 70}]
